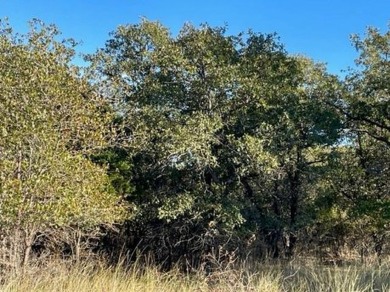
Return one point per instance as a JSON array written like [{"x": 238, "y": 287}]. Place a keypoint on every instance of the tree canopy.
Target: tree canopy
[
  {"x": 210, "y": 138},
  {"x": 50, "y": 122},
  {"x": 231, "y": 134}
]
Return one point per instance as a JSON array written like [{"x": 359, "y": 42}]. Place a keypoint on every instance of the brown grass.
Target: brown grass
[{"x": 61, "y": 276}]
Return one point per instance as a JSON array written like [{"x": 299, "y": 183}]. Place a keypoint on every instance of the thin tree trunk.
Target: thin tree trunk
[
  {"x": 28, "y": 241},
  {"x": 294, "y": 177}
]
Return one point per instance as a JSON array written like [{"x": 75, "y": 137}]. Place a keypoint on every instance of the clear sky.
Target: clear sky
[{"x": 319, "y": 29}]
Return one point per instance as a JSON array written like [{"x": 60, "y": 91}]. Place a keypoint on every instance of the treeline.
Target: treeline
[{"x": 190, "y": 146}]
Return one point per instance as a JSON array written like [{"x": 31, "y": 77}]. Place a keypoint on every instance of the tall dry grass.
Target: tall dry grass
[{"x": 95, "y": 276}]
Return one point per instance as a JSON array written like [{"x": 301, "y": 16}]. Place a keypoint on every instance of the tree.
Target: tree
[
  {"x": 368, "y": 104},
  {"x": 221, "y": 130},
  {"x": 50, "y": 122},
  {"x": 354, "y": 201},
  {"x": 366, "y": 108}
]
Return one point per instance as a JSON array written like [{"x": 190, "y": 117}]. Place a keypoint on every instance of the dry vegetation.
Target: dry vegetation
[{"x": 141, "y": 276}]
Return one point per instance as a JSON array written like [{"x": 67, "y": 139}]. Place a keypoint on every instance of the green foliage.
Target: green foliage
[
  {"x": 368, "y": 113},
  {"x": 222, "y": 130},
  {"x": 357, "y": 181},
  {"x": 212, "y": 138},
  {"x": 50, "y": 122},
  {"x": 368, "y": 103}
]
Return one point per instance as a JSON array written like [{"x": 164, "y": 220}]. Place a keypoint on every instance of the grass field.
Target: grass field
[{"x": 264, "y": 277}]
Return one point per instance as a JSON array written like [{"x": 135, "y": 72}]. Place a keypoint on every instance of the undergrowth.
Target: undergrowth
[{"x": 98, "y": 277}]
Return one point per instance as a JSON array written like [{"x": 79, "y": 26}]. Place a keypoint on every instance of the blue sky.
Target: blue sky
[{"x": 319, "y": 29}]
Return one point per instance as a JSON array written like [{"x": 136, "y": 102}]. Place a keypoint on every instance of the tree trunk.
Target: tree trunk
[
  {"x": 28, "y": 241},
  {"x": 294, "y": 176}
]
